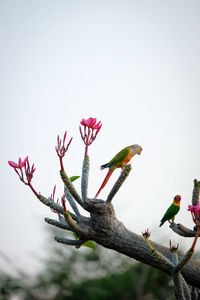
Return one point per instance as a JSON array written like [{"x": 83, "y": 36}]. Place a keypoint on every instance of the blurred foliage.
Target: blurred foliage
[{"x": 87, "y": 274}]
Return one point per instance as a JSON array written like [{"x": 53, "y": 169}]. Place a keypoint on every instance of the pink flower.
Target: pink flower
[
  {"x": 197, "y": 208},
  {"x": 194, "y": 208},
  {"x": 191, "y": 208},
  {"x": 29, "y": 171},
  {"x": 61, "y": 148},
  {"x": 24, "y": 171},
  {"x": 20, "y": 164},
  {"x": 91, "y": 129},
  {"x": 52, "y": 198},
  {"x": 195, "y": 211},
  {"x": 91, "y": 123},
  {"x": 64, "y": 203}
]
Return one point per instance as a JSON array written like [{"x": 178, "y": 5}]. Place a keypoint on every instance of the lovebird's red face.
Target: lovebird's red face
[{"x": 177, "y": 199}]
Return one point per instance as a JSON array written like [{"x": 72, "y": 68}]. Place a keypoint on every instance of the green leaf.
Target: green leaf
[
  {"x": 74, "y": 234},
  {"x": 88, "y": 244},
  {"x": 73, "y": 178}
]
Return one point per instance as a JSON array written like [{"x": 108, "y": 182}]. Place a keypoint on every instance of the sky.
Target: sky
[{"x": 135, "y": 66}]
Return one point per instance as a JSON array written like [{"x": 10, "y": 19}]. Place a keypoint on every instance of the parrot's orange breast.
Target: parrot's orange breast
[{"x": 128, "y": 157}]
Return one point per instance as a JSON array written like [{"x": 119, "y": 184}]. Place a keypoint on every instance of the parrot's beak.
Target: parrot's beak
[{"x": 139, "y": 150}]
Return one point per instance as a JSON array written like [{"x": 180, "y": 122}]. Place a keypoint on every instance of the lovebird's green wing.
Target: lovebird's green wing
[
  {"x": 119, "y": 157},
  {"x": 170, "y": 213}
]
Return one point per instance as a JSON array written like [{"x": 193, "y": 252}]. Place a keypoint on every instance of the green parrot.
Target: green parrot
[
  {"x": 172, "y": 210},
  {"x": 119, "y": 161}
]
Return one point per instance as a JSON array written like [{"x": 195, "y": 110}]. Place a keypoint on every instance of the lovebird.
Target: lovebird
[
  {"x": 119, "y": 161},
  {"x": 172, "y": 210}
]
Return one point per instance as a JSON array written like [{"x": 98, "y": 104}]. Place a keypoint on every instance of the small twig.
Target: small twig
[
  {"x": 76, "y": 243},
  {"x": 199, "y": 294},
  {"x": 159, "y": 257},
  {"x": 57, "y": 224},
  {"x": 51, "y": 204},
  {"x": 186, "y": 290},
  {"x": 182, "y": 230},
  {"x": 84, "y": 179},
  {"x": 184, "y": 260},
  {"x": 194, "y": 295},
  {"x": 174, "y": 258},
  {"x": 72, "y": 202},
  {"x": 124, "y": 174},
  {"x": 182, "y": 285},
  {"x": 187, "y": 231},
  {"x": 55, "y": 206},
  {"x": 178, "y": 286},
  {"x": 196, "y": 192},
  {"x": 73, "y": 225},
  {"x": 70, "y": 187},
  {"x": 62, "y": 220},
  {"x": 195, "y": 239}
]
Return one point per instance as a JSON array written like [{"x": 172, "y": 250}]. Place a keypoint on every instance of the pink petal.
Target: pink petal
[
  {"x": 33, "y": 169},
  {"x": 24, "y": 162},
  {"x": 93, "y": 121},
  {"x": 54, "y": 189},
  {"x": 197, "y": 208},
  {"x": 84, "y": 122},
  {"x": 13, "y": 164},
  {"x": 191, "y": 208},
  {"x": 19, "y": 161},
  {"x": 87, "y": 122},
  {"x": 98, "y": 125},
  {"x": 90, "y": 120},
  {"x": 64, "y": 138}
]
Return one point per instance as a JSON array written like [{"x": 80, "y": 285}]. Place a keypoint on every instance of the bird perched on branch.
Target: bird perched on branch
[
  {"x": 119, "y": 161},
  {"x": 172, "y": 210}
]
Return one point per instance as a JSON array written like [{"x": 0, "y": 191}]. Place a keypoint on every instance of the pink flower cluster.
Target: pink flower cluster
[
  {"x": 91, "y": 123},
  {"x": 24, "y": 171},
  {"x": 195, "y": 211},
  {"x": 24, "y": 167},
  {"x": 91, "y": 129},
  {"x": 61, "y": 148},
  {"x": 52, "y": 198},
  {"x": 20, "y": 164}
]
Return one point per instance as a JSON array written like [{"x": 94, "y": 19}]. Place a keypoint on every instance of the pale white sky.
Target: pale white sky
[{"x": 135, "y": 66}]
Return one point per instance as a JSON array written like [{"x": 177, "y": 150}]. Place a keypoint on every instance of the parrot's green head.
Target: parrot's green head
[{"x": 136, "y": 148}]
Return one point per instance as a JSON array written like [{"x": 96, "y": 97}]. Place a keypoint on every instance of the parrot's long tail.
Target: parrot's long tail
[
  {"x": 105, "y": 181},
  {"x": 161, "y": 223}
]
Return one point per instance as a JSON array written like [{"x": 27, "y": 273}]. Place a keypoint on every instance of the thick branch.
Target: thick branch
[
  {"x": 130, "y": 244},
  {"x": 112, "y": 234},
  {"x": 104, "y": 228}
]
